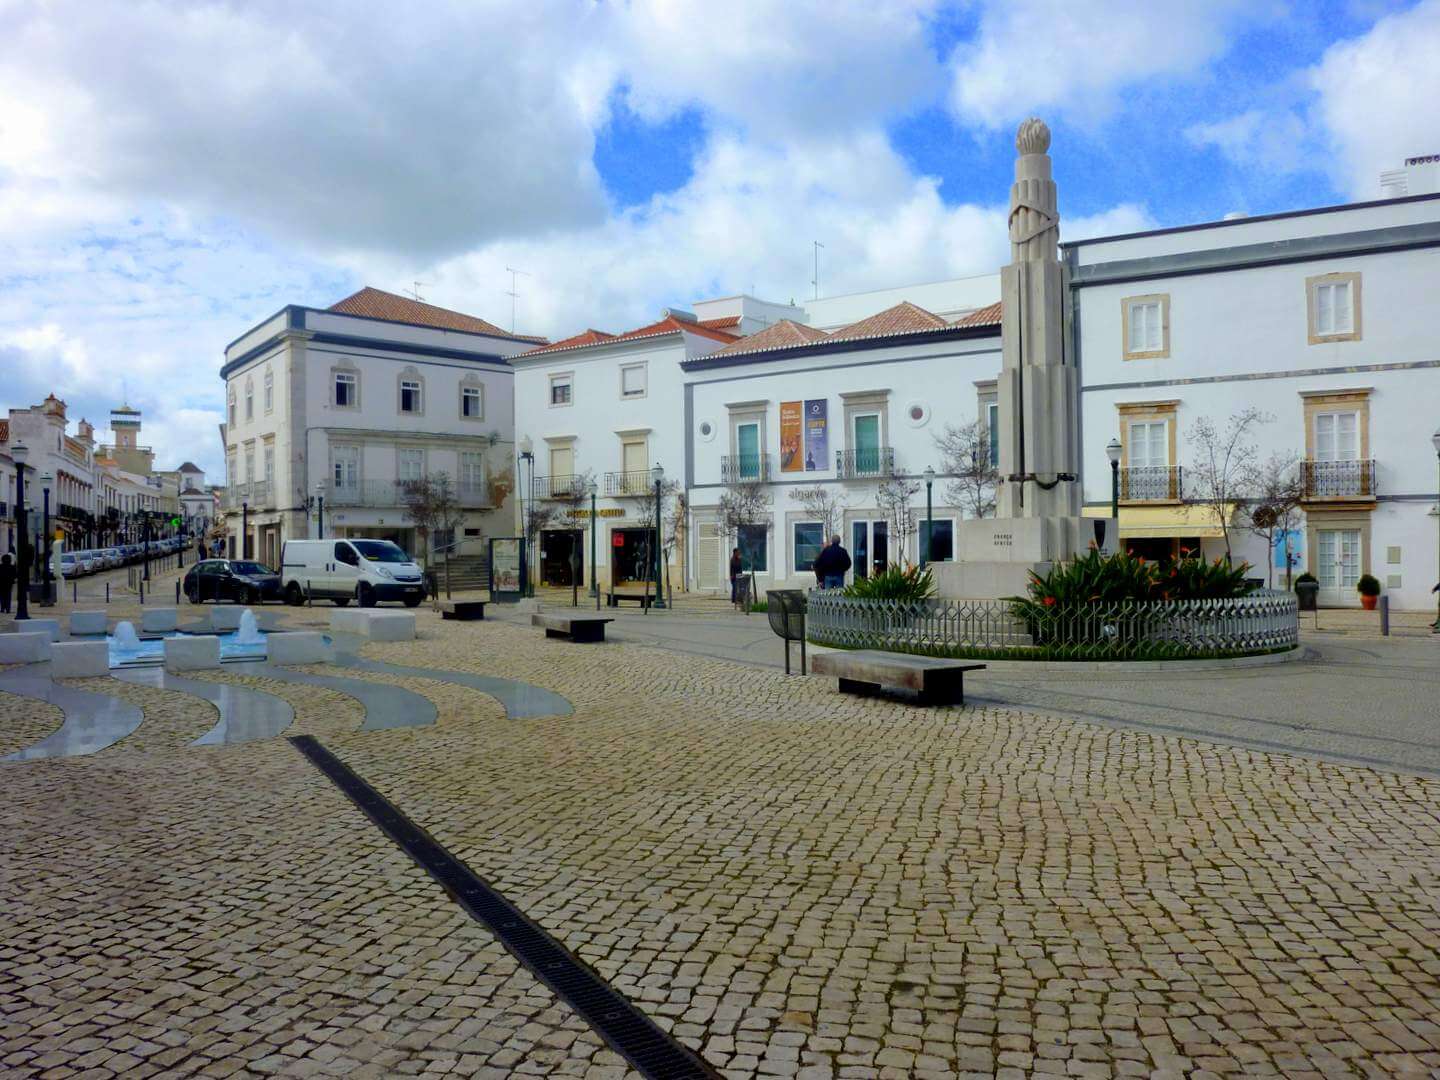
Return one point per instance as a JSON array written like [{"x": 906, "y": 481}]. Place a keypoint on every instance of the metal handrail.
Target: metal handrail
[
  {"x": 1338, "y": 479},
  {"x": 745, "y": 468},
  {"x": 1152, "y": 483},
  {"x": 634, "y": 484},
  {"x": 866, "y": 463}
]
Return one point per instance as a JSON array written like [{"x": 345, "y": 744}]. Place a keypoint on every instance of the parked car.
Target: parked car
[
  {"x": 366, "y": 571},
  {"x": 70, "y": 565},
  {"x": 238, "y": 580}
]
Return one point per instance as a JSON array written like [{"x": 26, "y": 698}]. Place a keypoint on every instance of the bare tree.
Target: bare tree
[
  {"x": 893, "y": 496},
  {"x": 669, "y": 528},
  {"x": 433, "y": 507},
  {"x": 965, "y": 453},
  {"x": 826, "y": 505},
  {"x": 746, "y": 505},
  {"x": 1224, "y": 466},
  {"x": 573, "y": 514},
  {"x": 1276, "y": 489}
]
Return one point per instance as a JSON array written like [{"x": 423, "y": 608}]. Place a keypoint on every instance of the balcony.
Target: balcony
[
  {"x": 472, "y": 496},
  {"x": 257, "y": 495},
  {"x": 568, "y": 486},
  {"x": 633, "y": 484},
  {"x": 1152, "y": 483},
  {"x": 873, "y": 463},
  {"x": 746, "y": 468},
  {"x": 1338, "y": 479}
]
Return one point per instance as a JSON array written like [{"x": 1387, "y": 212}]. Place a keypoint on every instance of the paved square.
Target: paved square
[{"x": 793, "y": 882}]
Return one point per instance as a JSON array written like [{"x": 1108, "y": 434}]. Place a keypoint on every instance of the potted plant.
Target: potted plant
[
  {"x": 1369, "y": 589},
  {"x": 1307, "y": 591}
]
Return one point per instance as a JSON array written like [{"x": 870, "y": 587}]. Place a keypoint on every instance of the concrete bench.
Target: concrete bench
[
  {"x": 580, "y": 628},
  {"x": 88, "y": 622},
  {"x": 24, "y": 648},
  {"x": 297, "y": 647},
  {"x": 223, "y": 617},
  {"x": 463, "y": 610},
  {"x": 159, "y": 620},
  {"x": 49, "y": 627},
  {"x": 192, "y": 652},
  {"x": 374, "y": 625},
  {"x": 615, "y": 599},
  {"x": 79, "y": 659},
  {"x": 937, "y": 681}
]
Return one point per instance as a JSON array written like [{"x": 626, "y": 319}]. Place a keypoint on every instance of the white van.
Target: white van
[{"x": 366, "y": 571}]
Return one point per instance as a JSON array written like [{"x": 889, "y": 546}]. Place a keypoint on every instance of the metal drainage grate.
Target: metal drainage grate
[{"x": 627, "y": 1030}]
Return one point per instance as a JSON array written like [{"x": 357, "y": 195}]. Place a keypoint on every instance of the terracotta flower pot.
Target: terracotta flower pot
[{"x": 1368, "y": 602}]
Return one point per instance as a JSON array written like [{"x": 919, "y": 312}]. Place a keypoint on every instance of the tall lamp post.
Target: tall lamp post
[
  {"x": 590, "y": 489},
  {"x": 145, "y": 540},
  {"x": 1435, "y": 442},
  {"x": 527, "y": 455},
  {"x": 1112, "y": 451},
  {"x": 18, "y": 453},
  {"x": 245, "y": 530},
  {"x": 929, "y": 515},
  {"x": 658, "y": 475},
  {"x": 320, "y": 509},
  {"x": 46, "y": 479}
]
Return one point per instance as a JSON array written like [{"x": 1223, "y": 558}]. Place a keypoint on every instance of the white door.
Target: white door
[
  {"x": 344, "y": 570},
  {"x": 707, "y": 557},
  {"x": 1337, "y": 552}
]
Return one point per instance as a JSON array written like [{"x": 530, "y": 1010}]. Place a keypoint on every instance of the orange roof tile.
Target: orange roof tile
[
  {"x": 586, "y": 337},
  {"x": 903, "y": 318},
  {"x": 387, "y": 307},
  {"x": 776, "y": 336},
  {"x": 722, "y": 323},
  {"x": 4, "y": 431},
  {"x": 668, "y": 325},
  {"x": 985, "y": 316}
]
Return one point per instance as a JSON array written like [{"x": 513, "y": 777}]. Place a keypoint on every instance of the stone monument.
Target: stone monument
[{"x": 1037, "y": 520}]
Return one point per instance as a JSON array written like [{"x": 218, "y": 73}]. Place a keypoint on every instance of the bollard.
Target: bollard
[
  {"x": 177, "y": 594},
  {"x": 74, "y": 592},
  {"x": 107, "y": 594},
  {"x": 142, "y": 593},
  {"x": 1385, "y": 615}
]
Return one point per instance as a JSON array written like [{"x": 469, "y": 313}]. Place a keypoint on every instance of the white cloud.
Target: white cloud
[
  {"x": 1278, "y": 141},
  {"x": 1059, "y": 57}
]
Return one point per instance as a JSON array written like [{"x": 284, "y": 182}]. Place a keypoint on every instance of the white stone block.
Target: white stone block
[
  {"x": 374, "y": 625},
  {"x": 225, "y": 616},
  {"x": 24, "y": 648},
  {"x": 48, "y": 627},
  {"x": 88, "y": 622},
  {"x": 298, "y": 647},
  {"x": 79, "y": 659},
  {"x": 158, "y": 620},
  {"x": 190, "y": 652}
]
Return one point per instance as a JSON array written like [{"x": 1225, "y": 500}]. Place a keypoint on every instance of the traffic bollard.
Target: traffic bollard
[{"x": 1384, "y": 616}]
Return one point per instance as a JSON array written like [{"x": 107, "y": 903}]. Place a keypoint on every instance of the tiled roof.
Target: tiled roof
[
  {"x": 667, "y": 325},
  {"x": 189, "y": 466},
  {"x": 387, "y": 307},
  {"x": 586, "y": 337},
  {"x": 725, "y": 322},
  {"x": 777, "y": 336},
  {"x": 985, "y": 316},
  {"x": 903, "y": 318},
  {"x": 4, "y": 431}
]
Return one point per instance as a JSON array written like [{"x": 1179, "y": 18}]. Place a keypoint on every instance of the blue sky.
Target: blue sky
[{"x": 172, "y": 172}]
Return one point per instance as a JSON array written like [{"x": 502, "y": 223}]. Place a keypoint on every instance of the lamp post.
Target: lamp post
[
  {"x": 590, "y": 489},
  {"x": 245, "y": 530},
  {"x": 18, "y": 453},
  {"x": 145, "y": 540},
  {"x": 1112, "y": 451},
  {"x": 46, "y": 479},
  {"x": 526, "y": 455},
  {"x": 929, "y": 515},
  {"x": 658, "y": 475},
  {"x": 320, "y": 510},
  {"x": 1435, "y": 442}
]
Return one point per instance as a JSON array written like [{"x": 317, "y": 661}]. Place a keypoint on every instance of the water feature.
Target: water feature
[
  {"x": 249, "y": 632},
  {"x": 127, "y": 648},
  {"x": 125, "y": 639}
]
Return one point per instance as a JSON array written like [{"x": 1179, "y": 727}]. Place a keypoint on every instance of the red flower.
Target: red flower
[{"x": 1049, "y": 601}]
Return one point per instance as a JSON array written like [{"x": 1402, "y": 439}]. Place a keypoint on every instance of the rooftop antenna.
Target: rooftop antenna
[
  {"x": 514, "y": 292},
  {"x": 415, "y": 292},
  {"x": 816, "y": 279}
]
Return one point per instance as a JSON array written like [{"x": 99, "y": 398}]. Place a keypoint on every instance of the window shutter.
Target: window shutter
[
  {"x": 1324, "y": 310},
  {"x": 1137, "y": 327},
  {"x": 1342, "y": 308},
  {"x": 1152, "y": 327}
]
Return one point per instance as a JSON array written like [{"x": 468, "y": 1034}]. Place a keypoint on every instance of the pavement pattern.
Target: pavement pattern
[{"x": 793, "y": 882}]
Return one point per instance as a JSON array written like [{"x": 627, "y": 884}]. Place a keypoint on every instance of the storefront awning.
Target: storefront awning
[{"x": 1162, "y": 522}]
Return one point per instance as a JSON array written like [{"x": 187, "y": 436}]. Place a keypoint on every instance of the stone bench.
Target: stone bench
[
  {"x": 223, "y": 617},
  {"x": 463, "y": 610},
  {"x": 865, "y": 671},
  {"x": 579, "y": 628},
  {"x": 159, "y": 620},
  {"x": 192, "y": 652},
  {"x": 615, "y": 599},
  {"x": 88, "y": 622},
  {"x": 297, "y": 647},
  {"x": 49, "y": 627},
  {"x": 24, "y": 648},
  {"x": 79, "y": 659},
  {"x": 374, "y": 625}
]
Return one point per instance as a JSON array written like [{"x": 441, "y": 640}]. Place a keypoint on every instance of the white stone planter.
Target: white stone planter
[
  {"x": 298, "y": 647},
  {"x": 192, "y": 652},
  {"x": 158, "y": 620},
  {"x": 223, "y": 617},
  {"x": 24, "y": 648},
  {"x": 79, "y": 659},
  {"x": 375, "y": 625},
  {"x": 88, "y": 622},
  {"x": 49, "y": 627}
]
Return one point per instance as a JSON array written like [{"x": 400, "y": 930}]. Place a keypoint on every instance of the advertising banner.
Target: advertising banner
[
  {"x": 505, "y": 568},
  {"x": 791, "y": 459},
  {"x": 817, "y": 435}
]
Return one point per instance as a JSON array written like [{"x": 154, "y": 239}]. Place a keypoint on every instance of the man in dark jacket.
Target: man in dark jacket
[
  {"x": 737, "y": 570},
  {"x": 831, "y": 565},
  {"x": 7, "y": 581}
]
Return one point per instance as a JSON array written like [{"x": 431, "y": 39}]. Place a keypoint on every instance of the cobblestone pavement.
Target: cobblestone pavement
[{"x": 794, "y": 883}]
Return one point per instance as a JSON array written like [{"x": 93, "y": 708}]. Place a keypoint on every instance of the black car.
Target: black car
[{"x": 231, "y": 579}]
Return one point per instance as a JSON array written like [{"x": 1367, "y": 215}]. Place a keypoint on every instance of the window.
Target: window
[
  {"x": 942, "y": 539},
  {"x": 866, "y": 443},
  {"x": 249, "y": 400},
  {"x": 1146, "y": 327},
  {"x": 346, "y": 469},
  {"x": 230, "y": 405},
  {"x": 410, "y": 395},
  {"x": 633, "y": 456},
  {"x": 752, "y": 542},
  {"x": 747, "y": 446},
  {"x": 809, "y": 540},
  {"x": 347, "y": 390},
  {"x": 992, "y": 426},
  {"x": 410, "y": 465},
  {"x": 1149, "y": 444},
  {"x": 560, "y": 389},
  {"x": 633, "y": 381},
  {"x": 562, "y": 461},
  {"x": 269, "y": 464},
  {"x": 472, "y": 402},
  {"x": 1334, "y": 306},
  {"x": 472, "y": 471},
  {"x": 1337, "y": 436},
  {"x": 269, "y": 390},
  {"x": 249, "y": 464}
]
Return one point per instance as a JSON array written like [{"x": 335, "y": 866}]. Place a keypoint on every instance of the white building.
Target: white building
[
  {"x": 1323, "y": 320},
  {"x": 348, "y": 403}
]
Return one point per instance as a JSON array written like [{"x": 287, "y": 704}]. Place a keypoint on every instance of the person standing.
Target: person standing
[
  {"x": 7, "y": 581},
  {"x": 831, "y": 565}
]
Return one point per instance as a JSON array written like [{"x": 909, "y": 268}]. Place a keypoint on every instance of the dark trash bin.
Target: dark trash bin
[
  {"x": 786, "y": 610},
  {"x": 1308, "y": 595}
]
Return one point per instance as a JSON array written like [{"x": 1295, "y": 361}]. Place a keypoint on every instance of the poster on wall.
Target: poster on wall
[
  {"x": 790, "y": 417},
  {"x": 505, "y": 568},
  {"x": 817, "y": 435},
  {"x": 1289, "y": 548}
]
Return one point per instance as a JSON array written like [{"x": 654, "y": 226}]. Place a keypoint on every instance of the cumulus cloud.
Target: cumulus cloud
[{"x": 1258, "y": 139}]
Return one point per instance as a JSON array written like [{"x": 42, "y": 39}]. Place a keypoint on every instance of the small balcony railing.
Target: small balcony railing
[
  {"x": 1152, "y": 483},
  {"x": 381, "y": 494},
  {"x": 745, "y": 468},
  {"x": 635, "y": 483},
  {"x": 874, "y": 462},
  {"x": 568, "y": 486},
  {"x": 473, "y": 495},
  {"x": 1338, "y": 479}
]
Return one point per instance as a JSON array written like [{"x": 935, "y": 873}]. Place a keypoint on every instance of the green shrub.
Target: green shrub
[
  {"x": 895, "y": 583},
  {"x": 1099, "y": 578},
  {"x": 1368, "y": 585}
]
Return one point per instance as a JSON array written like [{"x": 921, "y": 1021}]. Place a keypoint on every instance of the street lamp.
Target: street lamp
[
  {"x": 590, "y": 489},
  {"x": 658, "y": 475},
  {"x": 1112, "y": 451},
  {"x": 527, "y": 454},
  {"x": 245, "y": 529},
  {"x": 46, "y": 479},
  {"x": 18, "y": 453},
  {"x": 1435, "y": 442},
  {"x": 929, "y": 515},
  {"x": 320, "y": 509}
]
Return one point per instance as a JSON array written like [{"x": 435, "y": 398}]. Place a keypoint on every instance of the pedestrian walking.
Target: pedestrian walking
[
  {"x": 831, "y": 565},
  {"x": 737, "y": 570},
  {"x": 7, "y": 581}
]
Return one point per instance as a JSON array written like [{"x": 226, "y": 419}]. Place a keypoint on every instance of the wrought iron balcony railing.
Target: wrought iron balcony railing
[
  {"x": 366, "y": 493},
  {"x": 1339, "y": 479},
  {"x": 634, "y": 483},
  {"x": 876, "y": 462},
  {"x": 745, "y": 468},
  {"x": 568, "y": 486},
  {"x": 1152, "y": 483}
]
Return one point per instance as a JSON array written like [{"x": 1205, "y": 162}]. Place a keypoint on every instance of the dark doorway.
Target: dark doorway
[
  {"x": 562, "y": 557},
  {"x": 630, "y": 554}
]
